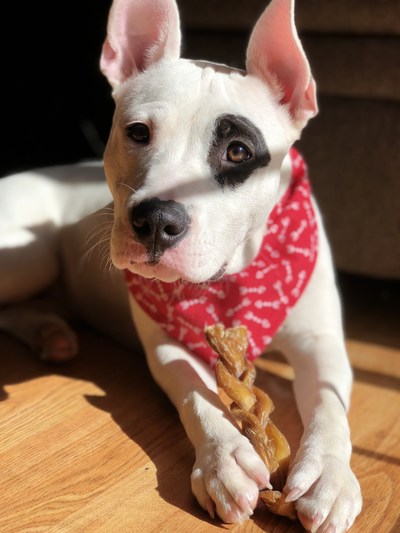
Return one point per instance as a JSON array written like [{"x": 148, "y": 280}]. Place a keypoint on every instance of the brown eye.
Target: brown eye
[
  {"x": 138, "y": 132},
  {"x": 237, "y": 153}
]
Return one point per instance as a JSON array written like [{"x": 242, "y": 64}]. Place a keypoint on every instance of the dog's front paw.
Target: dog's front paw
[
  {"x": 227, "y": 476},
  {"x": 326, "y": 492}
]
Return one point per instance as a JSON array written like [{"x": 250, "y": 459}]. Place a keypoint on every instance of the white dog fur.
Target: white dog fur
[{"x": 43, "y": 212}]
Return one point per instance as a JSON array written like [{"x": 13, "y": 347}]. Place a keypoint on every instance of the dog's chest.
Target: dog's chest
[{"x": 260, "y": 296}]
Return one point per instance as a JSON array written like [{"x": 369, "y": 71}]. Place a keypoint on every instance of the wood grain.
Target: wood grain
[{"x": 95, "y": 446}]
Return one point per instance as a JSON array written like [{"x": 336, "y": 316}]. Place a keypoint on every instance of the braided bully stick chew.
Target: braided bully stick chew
[{"x": 251, "y": 408}]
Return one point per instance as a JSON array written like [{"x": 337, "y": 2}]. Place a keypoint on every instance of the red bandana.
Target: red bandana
[{"x": 260, "y": 296}]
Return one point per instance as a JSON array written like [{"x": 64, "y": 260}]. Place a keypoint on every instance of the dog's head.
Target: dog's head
[{"x": 195, "y": 152}]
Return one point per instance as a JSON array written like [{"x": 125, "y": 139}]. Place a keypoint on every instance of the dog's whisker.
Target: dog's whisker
[
  {"x": 108, "y": 211},
  {"x": 102, "y": 234},
  {"x": 99, "y": 228},
  {"x": 99, "y": 236},
  {"x": 106, "y": 208},
  {"x": 104, "y": 214},
  {"x": 108, "y": 264},
  {"x": 102, "y": 250},
  {"x": 104, "y": 222},
  {"x": 88, "y": 249},
  {"x": 123, "y": 184}
]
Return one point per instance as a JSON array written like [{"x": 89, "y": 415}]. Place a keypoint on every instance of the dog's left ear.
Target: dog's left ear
[
  {"x": 139, "y": 33},
  {"x": 275, "y": 55}
]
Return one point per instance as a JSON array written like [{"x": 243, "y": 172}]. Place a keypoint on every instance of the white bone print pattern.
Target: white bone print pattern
[{"x": 260, "y": 296}]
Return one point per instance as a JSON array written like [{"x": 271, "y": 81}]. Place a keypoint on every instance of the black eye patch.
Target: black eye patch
[{"x": 237, "y": 149}]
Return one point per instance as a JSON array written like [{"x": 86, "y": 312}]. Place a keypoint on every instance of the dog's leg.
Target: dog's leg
[
  {"x": 28, "y": 250},
  {"x": 321, "y": 481},
  {"x": 42, "y": 330},
  {"x": 28, "y": 263},
  {"x": 227, "y": 472}
]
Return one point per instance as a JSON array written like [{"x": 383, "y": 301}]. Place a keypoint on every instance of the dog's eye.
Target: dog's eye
[
  {"x": 237, "y": 153},
  {"x": 138, "y": 132}
]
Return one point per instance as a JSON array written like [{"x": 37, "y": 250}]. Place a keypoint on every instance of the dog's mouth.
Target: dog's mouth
[
  {"x": 219, "y": 274},
  {"x": 157, "y": 270}
]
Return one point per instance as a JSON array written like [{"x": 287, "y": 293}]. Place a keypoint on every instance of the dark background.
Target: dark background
[{"x": 56, "y": 105}]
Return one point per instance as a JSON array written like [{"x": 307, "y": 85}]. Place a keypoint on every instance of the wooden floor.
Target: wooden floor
[{"x": 95, "y": 446}]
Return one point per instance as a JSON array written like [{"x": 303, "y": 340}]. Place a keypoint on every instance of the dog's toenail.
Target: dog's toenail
[
  {"x": 210, "y": 508},
  {"x": 293, "y": 495},
  {"x": 316, "y": 522}
]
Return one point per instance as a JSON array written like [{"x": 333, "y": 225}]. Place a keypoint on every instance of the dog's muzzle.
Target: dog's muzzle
[{"x": 159, "y": 225}]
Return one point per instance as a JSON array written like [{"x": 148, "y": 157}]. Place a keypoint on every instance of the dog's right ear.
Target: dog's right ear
[{"x": 139, "y": 33}]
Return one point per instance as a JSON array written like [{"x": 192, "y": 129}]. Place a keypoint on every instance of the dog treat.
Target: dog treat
[{"x": 251, "y": 408}]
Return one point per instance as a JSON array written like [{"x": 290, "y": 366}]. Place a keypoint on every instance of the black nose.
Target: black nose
[{"x": 159, "y": 224}]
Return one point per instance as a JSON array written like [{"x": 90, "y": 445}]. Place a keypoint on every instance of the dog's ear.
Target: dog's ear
[
  {"x": 139, "y": 33},
  {"x": 275, "y": 54}
]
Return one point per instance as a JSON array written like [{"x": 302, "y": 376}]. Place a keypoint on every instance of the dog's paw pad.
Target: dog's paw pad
[{"x": 56, "y": 342}]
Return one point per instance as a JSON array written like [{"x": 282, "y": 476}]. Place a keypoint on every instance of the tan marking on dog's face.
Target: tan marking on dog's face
[{"x": 181, "y": 103}]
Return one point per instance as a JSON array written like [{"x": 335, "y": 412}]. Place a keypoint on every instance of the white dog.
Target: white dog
[{"x": 212, "y": 220}]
